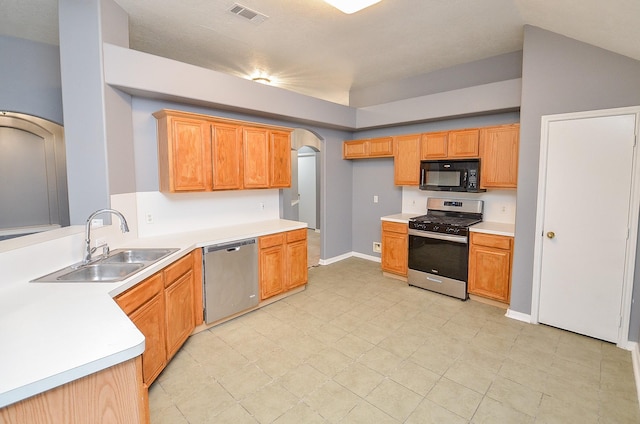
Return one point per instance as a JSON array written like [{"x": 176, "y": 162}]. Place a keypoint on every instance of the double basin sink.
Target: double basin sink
[{"x": 117, "y": 266}]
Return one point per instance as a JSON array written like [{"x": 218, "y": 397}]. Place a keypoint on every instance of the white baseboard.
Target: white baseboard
[
  {"x": 367, "y": 257},
  {"x": 635, "y": 359},
  {"x": 335, "y": 259},
  {"x": 347, "y": 256},
  {"x": 518, "y": 316}
]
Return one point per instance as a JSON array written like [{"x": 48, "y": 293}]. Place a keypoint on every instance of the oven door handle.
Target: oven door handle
[{"x": 438, "y": 236}]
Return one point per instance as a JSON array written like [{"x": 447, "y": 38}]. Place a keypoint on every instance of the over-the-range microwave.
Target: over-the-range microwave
[{"x": 450, "y": 175}]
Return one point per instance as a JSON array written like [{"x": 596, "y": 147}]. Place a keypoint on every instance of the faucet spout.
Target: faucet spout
[{"x": 124, "y": 227}]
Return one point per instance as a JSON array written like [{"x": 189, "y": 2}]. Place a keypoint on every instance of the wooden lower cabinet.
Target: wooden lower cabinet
[
  {"x": 296, "y": 259},
  {"x": 179, "y": 313},
  {"x": 150, "y": 320},
  {"x": 114, "y": 395},
  {"x": 162, "y": 307},
  {"x": 490, "y": 258},
  {"x": 395, "y": 247},
  {"x": 282, "y": 262}
]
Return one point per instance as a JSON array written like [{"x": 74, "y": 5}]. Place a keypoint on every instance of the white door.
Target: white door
[
  {"x": 307, "y": 188},
  {"x": 585, "y": 223}
]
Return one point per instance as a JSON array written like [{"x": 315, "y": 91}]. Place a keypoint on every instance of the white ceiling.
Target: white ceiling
[{"x": 309, "y": 47}]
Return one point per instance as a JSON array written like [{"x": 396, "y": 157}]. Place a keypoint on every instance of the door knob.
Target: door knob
[{"x": 551, "y": 234}]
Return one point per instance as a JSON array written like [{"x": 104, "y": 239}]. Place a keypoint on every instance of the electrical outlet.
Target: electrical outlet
[
  {"x": 148, "y": 217},
  {"x": 261, "y": 206},
  {"x": 375, "y": 199},
  {"x": 97, "y": 222},
  {"x": 504, "y": 209},
  {"x": 100, "y": 241},
  {"x": 377, "y": 247}
]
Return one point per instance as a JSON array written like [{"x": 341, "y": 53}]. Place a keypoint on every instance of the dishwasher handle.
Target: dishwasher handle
[{"x": 233, "y": 246}]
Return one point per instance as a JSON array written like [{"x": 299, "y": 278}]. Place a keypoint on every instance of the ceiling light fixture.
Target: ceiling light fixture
[
  {"x": 262, "y": 80},
  {"x": 351, "y": 6}
]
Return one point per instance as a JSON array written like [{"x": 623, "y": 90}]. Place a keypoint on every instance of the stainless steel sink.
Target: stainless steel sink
[
  {"x": 101, "y": 272},
  {"x": 117, "y": 266},
  {"x": 137, "y": 255}
]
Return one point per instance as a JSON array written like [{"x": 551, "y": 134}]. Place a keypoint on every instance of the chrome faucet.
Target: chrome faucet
[{"x": 124, "y": 227}]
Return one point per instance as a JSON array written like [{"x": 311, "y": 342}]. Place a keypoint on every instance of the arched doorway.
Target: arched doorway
[
  {"x": 302, "y": 202},
  {"x": 32, "y": 158}
]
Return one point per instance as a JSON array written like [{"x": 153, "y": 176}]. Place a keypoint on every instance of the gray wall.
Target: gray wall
[
  {"x": 498, "y": 68},
  {"x": 94, "y": 112},
  {"x": 560, "y": 75},
  {"x": 30, "y": 80}
]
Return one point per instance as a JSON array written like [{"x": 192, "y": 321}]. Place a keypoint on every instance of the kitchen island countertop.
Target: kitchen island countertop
[{"x": 54, "y": 333}]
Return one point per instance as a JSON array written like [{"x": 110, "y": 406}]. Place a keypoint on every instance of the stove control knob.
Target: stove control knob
[{"x": 436, "y": 227}]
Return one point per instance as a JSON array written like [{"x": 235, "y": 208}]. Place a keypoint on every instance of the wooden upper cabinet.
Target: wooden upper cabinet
[
  {"x": 184, "y": 153},
  {"x": 499, "y": 156},
  {"x": 381, "y": 147},
  {"x": 434, "y": 145},
  {"x": 227, "y": 156},
  {"x": 463, "y": 143},
  {"x": 407, "y": 160},
  {"x": 353, "y": 149},
  {"x": 204, "y": 153},
  {"x": 280, "y": 155},
  {"x": 255, "y": 157}
]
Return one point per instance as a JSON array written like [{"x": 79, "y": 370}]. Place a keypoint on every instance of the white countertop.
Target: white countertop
[
  {"x": 54, "y": 333},
  {"x": 497, "y": 228},
  {"x": 402, "y": 218}
]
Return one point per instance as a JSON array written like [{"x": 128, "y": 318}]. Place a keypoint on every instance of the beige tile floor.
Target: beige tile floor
[{"x": 357, "y": 347}]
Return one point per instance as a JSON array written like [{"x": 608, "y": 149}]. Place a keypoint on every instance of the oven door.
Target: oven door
[{"x": 439, "y": 254}]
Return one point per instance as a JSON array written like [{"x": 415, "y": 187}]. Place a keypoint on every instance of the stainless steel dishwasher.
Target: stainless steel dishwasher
[{"x": 230, "y": 278}]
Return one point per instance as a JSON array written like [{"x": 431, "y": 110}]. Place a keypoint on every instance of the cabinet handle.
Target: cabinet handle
[{"x": 551, "y": 234}]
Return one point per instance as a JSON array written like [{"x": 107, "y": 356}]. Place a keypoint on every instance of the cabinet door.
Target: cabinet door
[
  {"x": 395, "y": 248},
  {"x": 255, "y": 157},
  {"x": 280, "y": 159},
  {"x": 406, "y": 166},
  {"x": 433, "y": 145},
  {"x": 463, "y": 143},
  {"x": 271, "y": 267},
  {"x": 296, "y": 253},
  {"x": 184, "y": 153},
  {"x": 355, "y": 149},
  {"x": 499, "y": 156},
  {"x": 179, "y": 313},
  {"x": 227, "y": 155},
  {"x": 490, "y": 272},
  {"x": 381, "y": 147},
  {"x": 149, "y": 319}
]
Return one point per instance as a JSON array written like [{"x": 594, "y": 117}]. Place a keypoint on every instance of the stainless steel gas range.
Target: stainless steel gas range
[{"x": 439, "y": 245}]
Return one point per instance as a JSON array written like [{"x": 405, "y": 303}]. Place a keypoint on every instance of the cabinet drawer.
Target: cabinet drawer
[
  {"x": 140, "y": 294},
  {"x": 178, "y": 268},
  {"x": 395, "y": 227},
  {"x": 271, "y": 240},
  {"x": 296, "y": 235},
  {"x": 490, "y": 240}
]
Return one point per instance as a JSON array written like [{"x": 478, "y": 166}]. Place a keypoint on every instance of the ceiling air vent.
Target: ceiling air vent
[{"x": 245, "y": 12}]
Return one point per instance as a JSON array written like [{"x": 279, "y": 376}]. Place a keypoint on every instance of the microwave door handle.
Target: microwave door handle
[
  {"x": 422, "y": 177},
  {"x": 465, "y": 176}
]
